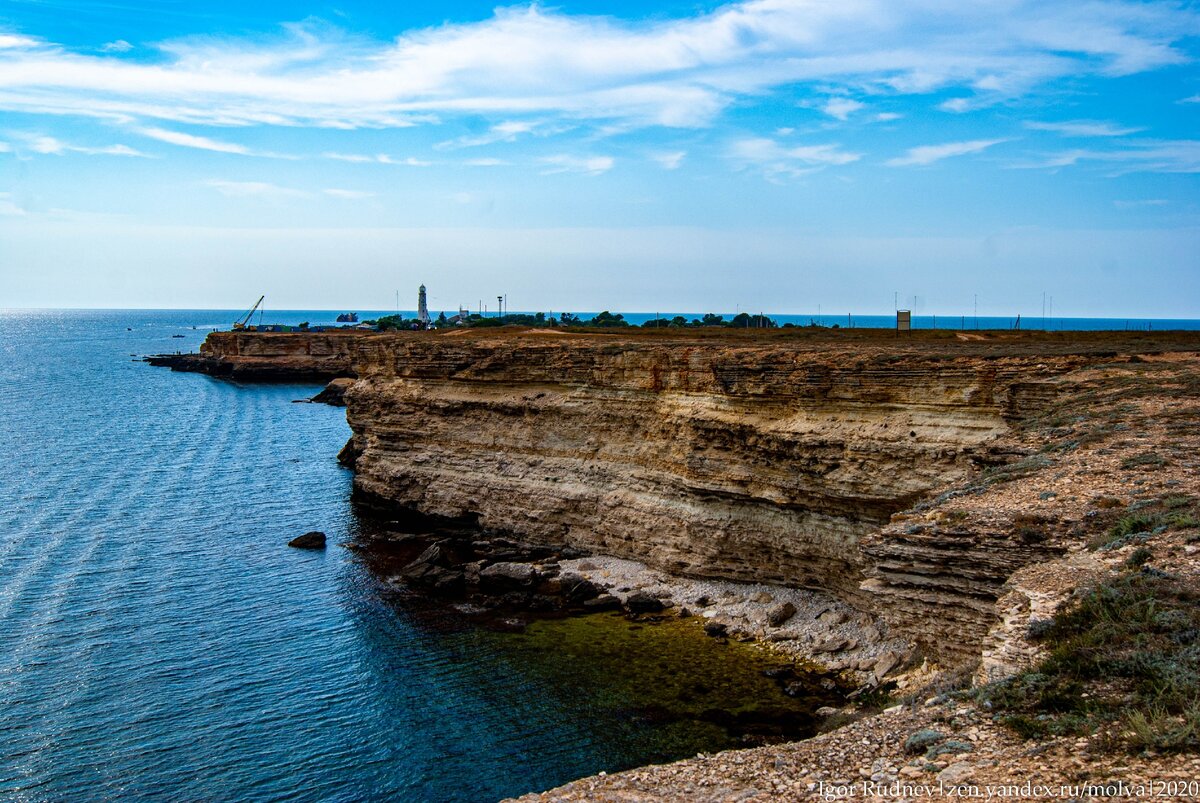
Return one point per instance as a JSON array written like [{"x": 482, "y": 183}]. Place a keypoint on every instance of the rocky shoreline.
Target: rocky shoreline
[{"x": 908, "y": 516}]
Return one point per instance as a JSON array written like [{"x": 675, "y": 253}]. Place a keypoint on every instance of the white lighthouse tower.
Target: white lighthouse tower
[{"x": 422, "y": 308}]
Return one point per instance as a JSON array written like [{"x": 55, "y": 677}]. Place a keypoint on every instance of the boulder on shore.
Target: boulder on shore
[{"x": 310, "y": 540}]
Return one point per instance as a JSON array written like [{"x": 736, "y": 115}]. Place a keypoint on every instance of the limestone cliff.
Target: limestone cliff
[{"x": 759, "y": 462}]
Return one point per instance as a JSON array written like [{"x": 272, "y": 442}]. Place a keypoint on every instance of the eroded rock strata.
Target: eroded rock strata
[{"x": 762, "y": 463}]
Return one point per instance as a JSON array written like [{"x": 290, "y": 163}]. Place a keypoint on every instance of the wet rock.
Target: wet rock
[
  {"x": 310, "y": 540},
  {"x": 780, "y": 614},
  {"x": 715, "y": 629},
  {"x": 641, "y": 602},
  {"x": 334, "y": 393},
  {"x": 504, "y": 576},
  {"x": 578, "y": 589},
  {"x": 604, "y": 602},
  {"x": 703, "y": 602}
]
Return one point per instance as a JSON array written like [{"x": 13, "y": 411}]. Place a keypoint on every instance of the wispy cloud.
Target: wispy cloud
[
  {"x": 530, "y": 60},
  {"x": 567, "y": 163},
  {"x": 117, "y": 46},
  {"x": 842, "y": 108},
  {"x": 254, "y": 189},
  {"x": 379, "y": 158},
  {"x": 1144, "y": 156},
  {"x": 775, "y": 159},
  {"x": 507, "y": 131},
  {"x": 1084, "y": 128},
  {"x": 193, "y": 141},
  {"x": 670, "y": 160},
  {"x": 46, "y": 145},
  {"x": 928, "y": 154}
]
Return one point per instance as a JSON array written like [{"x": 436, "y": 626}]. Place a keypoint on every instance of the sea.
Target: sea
[{"x": 158, "y": 640}]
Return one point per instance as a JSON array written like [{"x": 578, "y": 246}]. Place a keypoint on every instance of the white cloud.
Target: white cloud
[
  {"x": 349, "y": 195},
  {"x": 1145, "y": 156},
  {"x": 566, "y": 163},
  {"x": 254, "y": 189},
  {"x": 778, "y": 160},
  {"x": 1192, "y": 99},
  {"x": 534, "y": 61},
  {"x": 5, "y": 147},
  {"x": 55, "y": 147},
  {"x": 928, "y": 154},
  {"x": 118, "y": 46},
  {"x": 408, "y": 161},
  {"x": 1084, "y": 128},
  {"x": 671, "y": 160},
  {"x": 886, "y": 117},
  {"x": 10, "y": 41},
  {"x": 193, "y": 141},
  {"x": 379, "y": 158},
  {"x": 842, "y": 108}
]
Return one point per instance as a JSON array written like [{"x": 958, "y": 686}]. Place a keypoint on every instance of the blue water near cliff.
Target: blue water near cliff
[{"x": 158, "y": 640}]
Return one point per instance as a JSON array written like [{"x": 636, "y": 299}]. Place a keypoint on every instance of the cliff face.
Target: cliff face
[{"x": 765, "y": 463}]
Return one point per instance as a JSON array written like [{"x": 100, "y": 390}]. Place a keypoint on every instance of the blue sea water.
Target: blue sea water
[{"x": 159, "y": 641}]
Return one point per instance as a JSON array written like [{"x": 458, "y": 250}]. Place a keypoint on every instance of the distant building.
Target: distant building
[{"x": 422, "y": 308}]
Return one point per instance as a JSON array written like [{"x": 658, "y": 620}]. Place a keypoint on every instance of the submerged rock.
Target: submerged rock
[
  {"x": 310, "y": 540},
  {"x": 641, "y": 602}
]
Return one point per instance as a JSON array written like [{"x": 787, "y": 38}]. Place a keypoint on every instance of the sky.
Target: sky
[{"x": 774, "y": 155}]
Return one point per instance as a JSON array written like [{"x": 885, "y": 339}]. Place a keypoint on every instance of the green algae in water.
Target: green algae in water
[{"x": 667, "y": 686}]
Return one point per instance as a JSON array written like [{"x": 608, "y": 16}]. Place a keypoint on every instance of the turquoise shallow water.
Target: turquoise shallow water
[{"x": 158, "y": 640}]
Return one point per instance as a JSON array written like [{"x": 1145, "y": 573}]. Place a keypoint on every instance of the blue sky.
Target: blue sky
[{"x": 768, "y": 155}]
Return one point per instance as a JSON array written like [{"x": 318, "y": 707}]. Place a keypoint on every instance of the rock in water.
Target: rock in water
[
  {"x": 334, "y": 393},
  {"x": 641, "y": 602},
  {"x": 311, "y": 540}
]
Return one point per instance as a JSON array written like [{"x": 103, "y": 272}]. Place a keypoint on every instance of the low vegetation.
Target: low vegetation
[{"x": 1124, "y": 662}]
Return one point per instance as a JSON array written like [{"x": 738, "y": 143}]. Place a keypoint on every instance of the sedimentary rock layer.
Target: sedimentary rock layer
[
  {"x": 270, "y": 356},
  {"x": 761, "y": 462}
]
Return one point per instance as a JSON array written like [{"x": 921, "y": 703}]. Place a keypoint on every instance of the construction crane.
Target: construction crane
[{"x": 241, "y": 324}]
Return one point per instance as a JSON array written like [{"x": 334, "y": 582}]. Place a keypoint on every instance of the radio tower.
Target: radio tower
[{"x": 422, "y": 308}]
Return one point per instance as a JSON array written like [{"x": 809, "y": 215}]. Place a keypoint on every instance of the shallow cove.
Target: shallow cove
[{"x": 677, "y": 691}]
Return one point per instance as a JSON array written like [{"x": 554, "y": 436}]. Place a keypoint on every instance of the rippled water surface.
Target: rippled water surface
[{"x": 157, "y": 639}]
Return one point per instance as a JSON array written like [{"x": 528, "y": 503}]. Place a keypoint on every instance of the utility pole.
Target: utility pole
[{"x": 500, "y": 307}]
